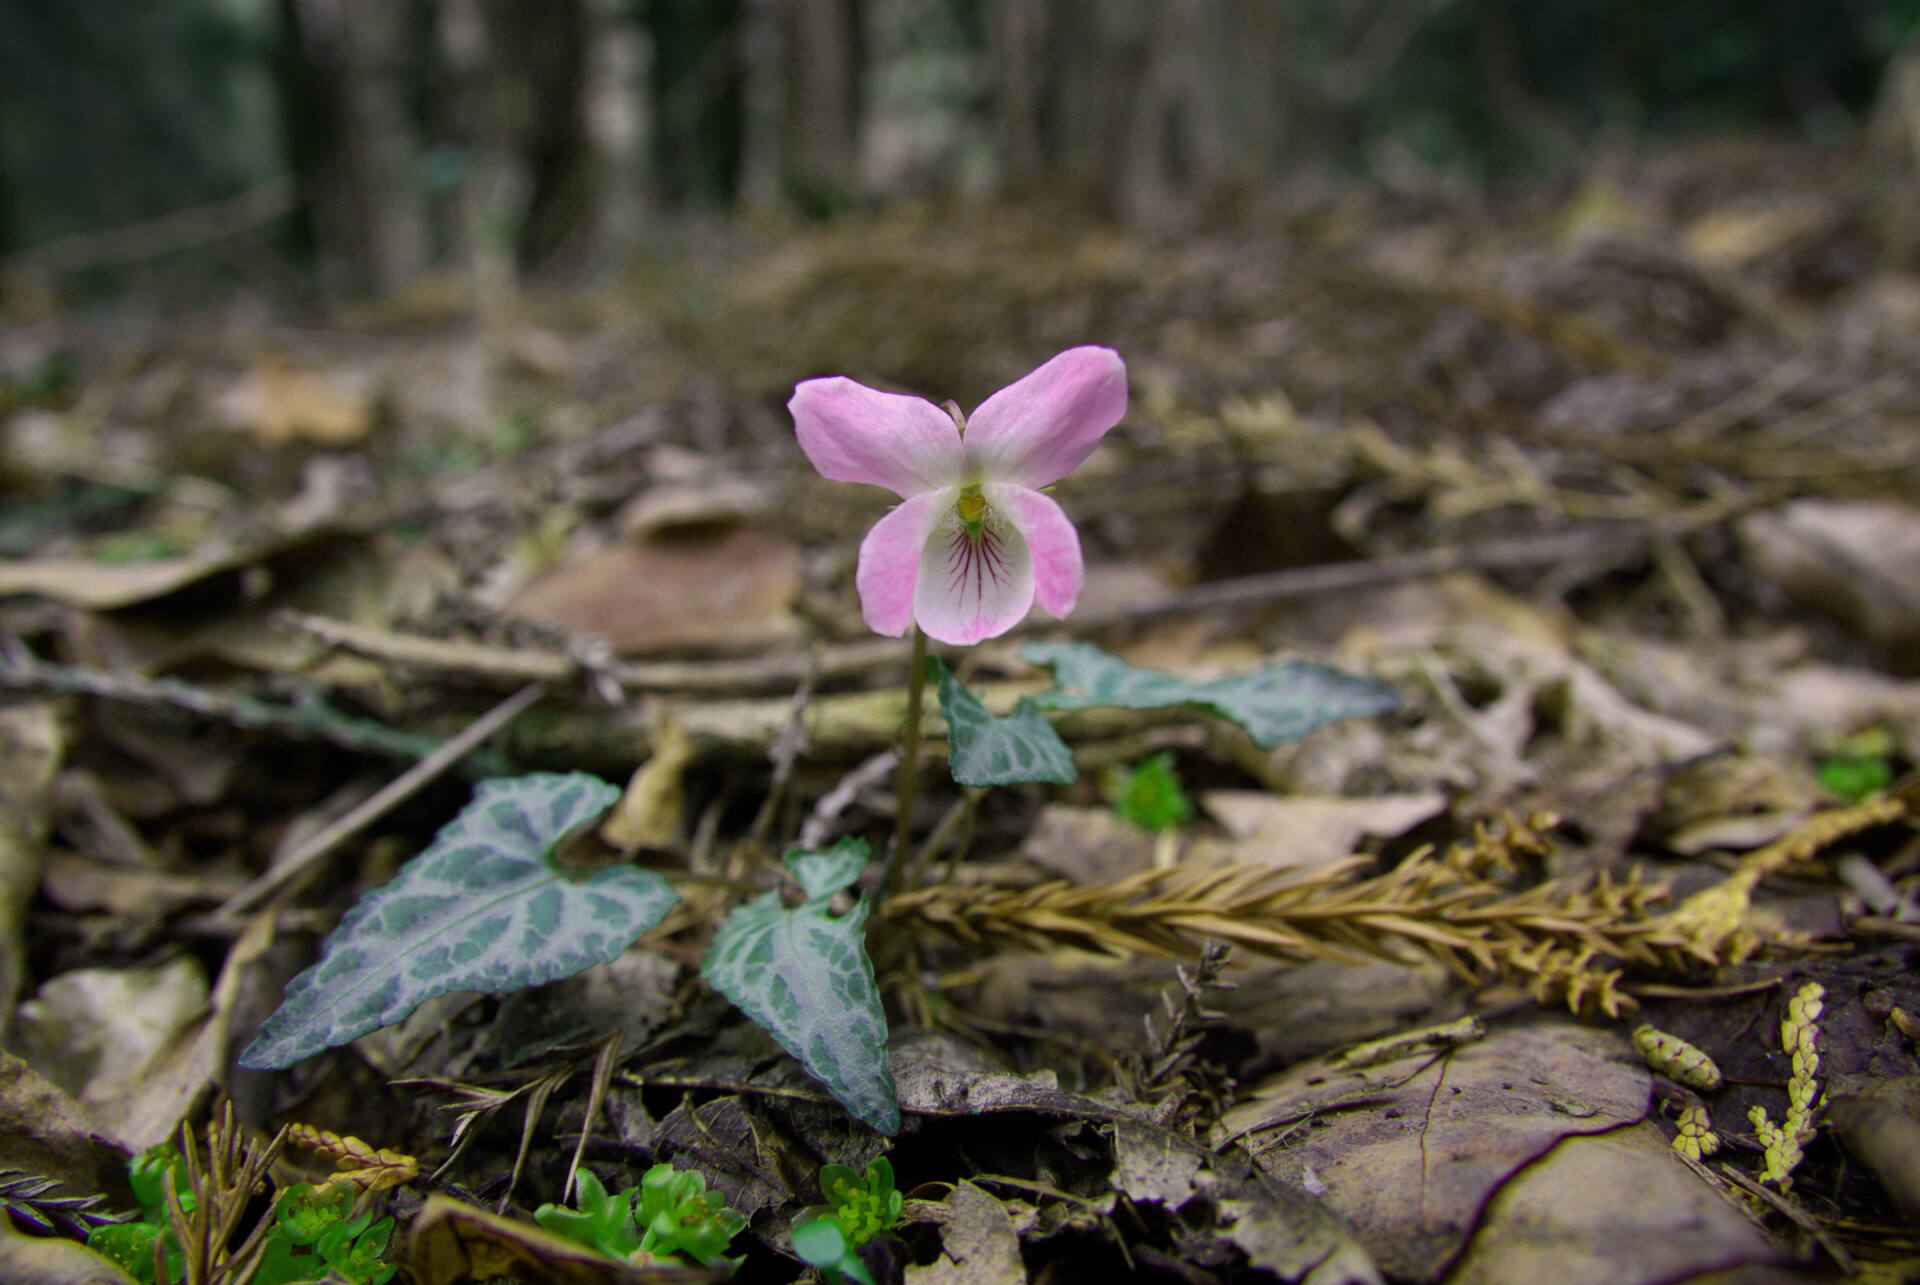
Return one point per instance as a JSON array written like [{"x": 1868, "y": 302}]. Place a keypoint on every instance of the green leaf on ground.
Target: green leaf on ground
[
  {"x": 484, "y": 908},
  {"x": 804, "y": 975},
  {"x": 983, "y": 749},
  {"x": 1276, "y": 704}
]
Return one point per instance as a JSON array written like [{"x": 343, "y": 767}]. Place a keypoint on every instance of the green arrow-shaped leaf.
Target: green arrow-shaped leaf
[
  {"x": 484, "y": 908},
  {"x": 805, "y": 976},
  {"x": 983, "y": 749},
  {"x": 1276, "y": 704}
]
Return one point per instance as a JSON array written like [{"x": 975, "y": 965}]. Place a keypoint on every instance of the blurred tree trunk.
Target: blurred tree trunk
[
  {"x": 1894, "y": 146},
  {"x": 1090, "y": 100},
  {"x": 9, "y": 235},
  {"x": 1176, "y": 139},
  {"x": 821, "y": 121},
  {"x": 1261, "y": 87},
  {"x": 698, "y": 100},
  {"x": 617, "y": 121},
  {"x": 485, "y": 198},
  {"x": 353, "y": 139},
  {"x": 1363, "y": 41},
  {"x": 1016, "y": 53},
  {"x": 1503, "y": 72},
  {"x": 537, "y": 84}
]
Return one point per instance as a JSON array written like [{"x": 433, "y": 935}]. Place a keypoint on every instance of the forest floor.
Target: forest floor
[{"x": 1616, "y": 484}]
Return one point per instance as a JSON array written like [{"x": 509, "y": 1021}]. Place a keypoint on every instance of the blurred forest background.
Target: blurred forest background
[{"x": 333, "y": 148}]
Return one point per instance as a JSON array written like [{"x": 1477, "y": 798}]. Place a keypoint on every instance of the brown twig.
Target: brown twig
[
  {"x": 396, "y": 792},
  {"x": 167, "y": 234},
  {"x": 518, "y": 664}
]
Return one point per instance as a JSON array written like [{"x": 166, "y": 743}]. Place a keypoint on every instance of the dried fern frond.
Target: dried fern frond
[
  {"x": 29, "y": 1203},
  {"x": 1567, "y": 943},
  {"x": 367, "y": 1167},
  {"x": 1719, "y": 921},
  {"x": 224, "y": 1178},
  {"x": 1168, "y": 1076}
]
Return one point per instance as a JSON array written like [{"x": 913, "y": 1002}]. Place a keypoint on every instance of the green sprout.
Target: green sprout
[
  {"x": 1858, "y": 765},
  {"x": 601, "y": 1222},
  {"x": 316, "y": 1236},
  {"x": 862, "y": 1207},
  {"x": 859, "y": 1207},
  {"x": 670, "y": 1213},
  {"x": 821, "y": 1244},
  {"x": 338, "y": 1243},
  {"x": 132, "y": 1246},
  {"x": 1149, "y": 794},
  {"x": 147, "y": 1174},
  {"x": 139, "y": 1245}
]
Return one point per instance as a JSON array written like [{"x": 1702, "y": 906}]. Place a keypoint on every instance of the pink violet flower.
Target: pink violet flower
[{"x": 974, "y": 543}]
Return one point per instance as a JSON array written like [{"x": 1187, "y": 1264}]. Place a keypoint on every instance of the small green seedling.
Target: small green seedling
[
  {"x": 601, "y": 1222},
  {"x": 859, "y": 1207},
  {"x": 140, "y": 1245},
  {"x": 821, "y": 1244},
  {"x": 131, "y": 1246},
  {"x": 1859, "y": 765},
  {"x": 1148, "y": 795},
  {"x": 670, "y": 1214},
  {"x": 316, "y": 1236}
]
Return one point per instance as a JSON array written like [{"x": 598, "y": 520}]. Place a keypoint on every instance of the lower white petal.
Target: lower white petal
[{"x": 973, "y": 587}]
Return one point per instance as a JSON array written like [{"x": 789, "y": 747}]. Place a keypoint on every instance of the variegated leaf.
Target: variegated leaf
[
  {"x": 983, "y": 749},
  {"x": 484, "y": 908},
  {"x": 1276, "y": 704},
  {"x": 803, "y": 973}
]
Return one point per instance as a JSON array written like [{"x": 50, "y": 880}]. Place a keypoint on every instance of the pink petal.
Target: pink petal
[
  {"x": 1054, "y": 545},
  {"x": 1039, "y": 428},
  {"x": 890, "y": 559},
  {"x": 971, "y": 590},
  {"x": 853, "y": 433}
]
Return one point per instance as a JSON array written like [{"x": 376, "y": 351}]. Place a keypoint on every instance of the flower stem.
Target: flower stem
[{"x": 908, "y": 783}]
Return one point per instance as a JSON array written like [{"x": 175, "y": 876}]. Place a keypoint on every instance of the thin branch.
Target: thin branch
[
  {"x": 396, "y": 792},
  {"x": 181, "y": 230}
]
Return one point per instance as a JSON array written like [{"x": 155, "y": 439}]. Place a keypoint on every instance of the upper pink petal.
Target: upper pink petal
[
  {"x": 853, "y": 433},
  {"x": 969, "y": 590},
  {"x": 890, "y": 560},
  {"x": 1039, "y": 428},
  {"x": 1052, "y": 542}
]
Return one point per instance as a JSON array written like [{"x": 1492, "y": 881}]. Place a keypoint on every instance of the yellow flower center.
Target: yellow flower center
[{"x": 971, "y": 506}]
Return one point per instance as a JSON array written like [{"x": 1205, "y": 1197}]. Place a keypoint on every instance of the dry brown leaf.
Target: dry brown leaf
[
  {"x": 46, "y": 1133},
  {"x": 77, "y": 883},
  {"x": 1880, "y": 1125},
  {"x": 937, "y": 1076},
  {"x": 1731, "y": 236},
  {"x": 978, "y": 1244},
  {"x": 93, "y": 1028},
  {"x": 1610, "y": 1209},
  {"x": 1306, "y": 833},
  {"x": 37, "y": 1260},
  {"x": 32, "y": 746},
  {"x": 281, "y": 404},
  {"x": 1086, "y": 845},
  {"x": 652, "y": 810},
  {"x": 107, "y": 586},
  {"x": 1411, "y": 1150},
  {"x": 1279, "y": 1228},
  {"x": 1856, "y": 561},
  {"x": 732, "y": 590}
]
